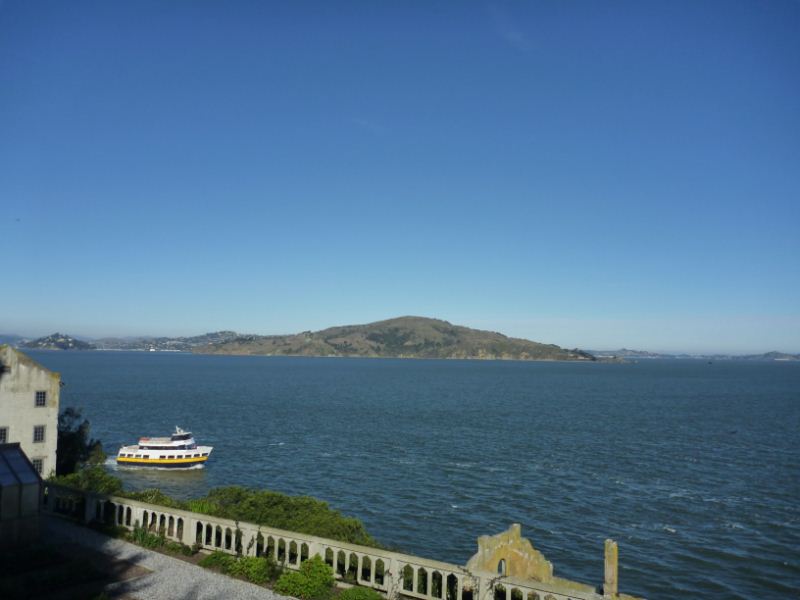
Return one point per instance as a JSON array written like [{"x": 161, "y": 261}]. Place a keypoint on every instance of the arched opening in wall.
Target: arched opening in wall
[
  {"x": 408, "y": 578},
  {"x": 380, "y": 570},
  {"x": 293, "y": 553},
  {"x": 228, "y": 539},
  {"x": 501, "y": 567},
  {"x": 452, "y": 589},
  {"x": 516, "y": 594},
  {"x": 108, "y": 512},
  {"x": 436, "y": 584},
  {"x": 80, "y": 508},
  {"x": 198, "y": 533},
  {"x": 329, "y": 557},
  {"x": 153, "y": 522},
  {"x": 533, "y": 596},
  {"x": 144, "y": 520},
  {"x": 128, "y": 516},
  {"x": 162, "y": 524},
  {"x": 281, "y": 550},
  {"x": 259, "y": 544},
  {"x": 340, "y": 563},
  {"x": 171, "y": 526},
  {"x": 304, "y": 552},
  {"x": 237, "y": 546},
  {"x": 499, "y": 592},
  {"x": 550, "y": 597},
  {"x": 179, "y": 531},
  {"x": 98, "y": 506},
  {"x": 366, "y": 569},
  {"x": 218, "y": 536},
  {"x": 352, "y": 568},
  {"x": 422, "y": 581},
  {"x": 120, "y": 514},
  {"x": 271, "y": 547},
  {"x": 209, "y": 534}
]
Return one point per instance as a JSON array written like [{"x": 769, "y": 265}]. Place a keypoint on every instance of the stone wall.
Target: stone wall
[{"x": 392, "y": 573}]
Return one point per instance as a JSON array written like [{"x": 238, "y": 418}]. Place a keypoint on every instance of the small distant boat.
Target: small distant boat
[{"x": 178, "y": 451}]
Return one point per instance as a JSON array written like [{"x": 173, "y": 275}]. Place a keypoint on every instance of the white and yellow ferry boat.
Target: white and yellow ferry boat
[{"x": 178, "y": 451}]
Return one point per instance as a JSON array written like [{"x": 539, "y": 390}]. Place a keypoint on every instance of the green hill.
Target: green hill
[
  {"x": 403, "y": 337},
  {"x": 58, "y": 341}
]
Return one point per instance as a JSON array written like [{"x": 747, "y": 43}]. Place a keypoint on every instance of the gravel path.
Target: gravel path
[{"x": 171, "y": 579}]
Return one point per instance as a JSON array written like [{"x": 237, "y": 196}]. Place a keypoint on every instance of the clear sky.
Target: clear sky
[{"x": 593, "y": 174}]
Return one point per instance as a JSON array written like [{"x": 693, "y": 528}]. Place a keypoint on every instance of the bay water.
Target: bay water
[{"x": 694, "y": 468}]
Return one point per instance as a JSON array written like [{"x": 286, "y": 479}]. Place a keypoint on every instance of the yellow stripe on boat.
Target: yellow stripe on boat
[{"x": 162, "y": 461}]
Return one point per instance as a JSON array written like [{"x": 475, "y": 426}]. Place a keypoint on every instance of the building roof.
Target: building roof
[
  {"x": 15, "y": 468},
  {"x": 10, "y": 352}
]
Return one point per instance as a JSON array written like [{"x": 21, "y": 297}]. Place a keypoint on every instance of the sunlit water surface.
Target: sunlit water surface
[{"x": 693, "y": 467}]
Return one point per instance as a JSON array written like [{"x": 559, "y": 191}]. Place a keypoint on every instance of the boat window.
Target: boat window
[
  {"x": 138, "y": 456},
  {"x": 205, "y": 453},
  {"x": 196, "y": 455},
  {"x": 162, "y": 456},
  {"x": 171, "y": 456}
]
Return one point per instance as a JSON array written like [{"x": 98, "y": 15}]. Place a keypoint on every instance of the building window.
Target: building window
[
  {"x": 41, "y": 398},
  {"x": 3, "y": 435},
  {"x": 38, "y": 464},
  {"x": 38, "y": 433}
]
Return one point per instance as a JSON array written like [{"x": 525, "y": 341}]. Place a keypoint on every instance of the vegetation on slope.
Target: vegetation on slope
[
  {"x": 403, "y": 337},
  {"x": 58, "y": 341},
  {"x": 293, "y": 513}
]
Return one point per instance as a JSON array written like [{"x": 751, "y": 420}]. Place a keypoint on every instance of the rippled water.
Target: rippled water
[{"x": 693, "y": 467}]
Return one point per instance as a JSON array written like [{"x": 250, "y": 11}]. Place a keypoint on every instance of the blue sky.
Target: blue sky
[{"x": 593, "y": 174}]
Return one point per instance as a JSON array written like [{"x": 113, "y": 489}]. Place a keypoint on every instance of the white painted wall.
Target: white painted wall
[{"x": 20, "y": 381}]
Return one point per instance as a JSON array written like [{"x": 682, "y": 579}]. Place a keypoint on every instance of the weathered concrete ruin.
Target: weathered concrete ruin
[{"x": 506, "y": 566}]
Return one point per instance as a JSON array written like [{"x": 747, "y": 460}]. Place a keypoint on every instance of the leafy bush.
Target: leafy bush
[
  {"x": 360, "y": 593},
  {"x": 218, "y": 560},
  {"x": 74, "y": 447},
  {"x": 92, "y": 478},
  {"x": 314, "y": 581},
  {"x": 114, "y": 531},
  {"x": 177, "y": 548},
  {"x": 143, "y": 538},
  {"x": 258, "y": 570},
  {"x": 154, "y": 496},
  {"x": 294, "y": 513}
]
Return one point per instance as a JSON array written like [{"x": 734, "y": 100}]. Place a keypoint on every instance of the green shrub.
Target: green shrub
[
  {"x": 293, "y": 513},
  {"x": 178, "y": 548},
  {"x": 360, "y": 593},
  {"x": 93, "y": 478},
  {"x": 146, "y": 539},
  {"x": 314, "y": 581},
  {"x": 256, "y": 570},
  {"x": 218, "y": 560},
  {"x": 115, "y": 531},
  {"x": 153, "y": 496}
]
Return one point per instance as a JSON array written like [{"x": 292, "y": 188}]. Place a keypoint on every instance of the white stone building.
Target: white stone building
[{"x": 29, "y": 395}]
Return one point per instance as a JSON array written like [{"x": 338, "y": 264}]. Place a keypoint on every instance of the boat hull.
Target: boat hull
[{"x": 166, "y": 463}]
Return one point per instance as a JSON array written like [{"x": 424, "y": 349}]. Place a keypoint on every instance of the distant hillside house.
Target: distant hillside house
[{"x": 29, "y": 395}]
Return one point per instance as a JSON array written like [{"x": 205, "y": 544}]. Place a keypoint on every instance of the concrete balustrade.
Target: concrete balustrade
[{"x": 392, "y": 573}]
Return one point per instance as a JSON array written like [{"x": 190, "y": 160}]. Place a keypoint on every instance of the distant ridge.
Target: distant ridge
[
  {"x": 634, "y": 354},
  {"x": 163, "y": 343},
  {"x": 58, "y": 341},
  {"x": 402, "y": 337}
]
